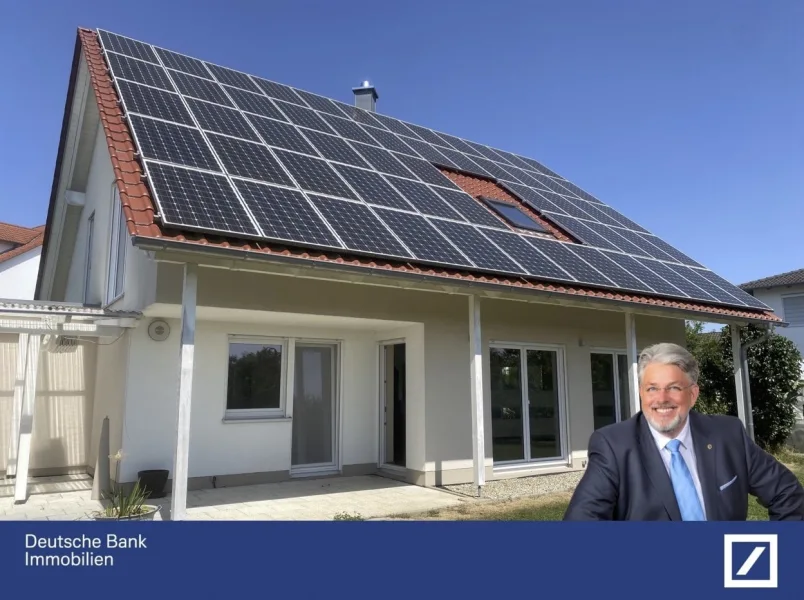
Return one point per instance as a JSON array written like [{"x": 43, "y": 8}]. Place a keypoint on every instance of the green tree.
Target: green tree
[{"x": 775, "y": 378}]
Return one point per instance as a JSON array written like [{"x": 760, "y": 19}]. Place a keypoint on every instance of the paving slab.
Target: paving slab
[{"x": 315, "y": 499}]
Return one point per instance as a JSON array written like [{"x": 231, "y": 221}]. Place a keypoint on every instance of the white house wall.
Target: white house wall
[
  {"x": 217, "y": 448},
  {"x": 62, "y": 411},
  {"x": 140, "y": 273},
  {"x": 439, "y": 432},
  {"x": 18, "y": 275},
  {"x": 111, "y": 376},
  {"x": 773, "y": 298}
]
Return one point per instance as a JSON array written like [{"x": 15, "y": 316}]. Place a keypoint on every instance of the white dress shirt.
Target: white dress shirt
[{"x": 687, "y": 450}]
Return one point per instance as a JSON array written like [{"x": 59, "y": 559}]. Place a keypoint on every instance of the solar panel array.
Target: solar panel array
[{"x": 239, "y": 155}]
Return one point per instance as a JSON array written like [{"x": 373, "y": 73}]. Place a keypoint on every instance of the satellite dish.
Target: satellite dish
[{"x": 158, "y": 330}]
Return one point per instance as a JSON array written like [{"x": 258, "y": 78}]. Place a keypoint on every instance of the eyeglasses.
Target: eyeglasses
[{"x": 672, "y": 390}]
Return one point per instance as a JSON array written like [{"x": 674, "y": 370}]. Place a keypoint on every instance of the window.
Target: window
[
  {"x": 527, "y": 404},
  {"x": 88, "y": 266},
  {"x": 117, "y": 259},
  {"x": 793, "y": 309},
  {"x": 513, "y": 215},
  {"x": 255, "y": 385},
  {"x": 611, "y": 399}
]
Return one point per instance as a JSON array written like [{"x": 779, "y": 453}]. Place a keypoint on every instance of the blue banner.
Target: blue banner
[{"x": 402, "y": 559}]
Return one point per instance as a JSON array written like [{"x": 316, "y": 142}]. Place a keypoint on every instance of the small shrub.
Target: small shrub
[{"x": 345, "y": 516}]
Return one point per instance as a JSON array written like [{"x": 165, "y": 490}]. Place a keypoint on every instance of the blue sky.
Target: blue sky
[{"x": 686, "y": 116}]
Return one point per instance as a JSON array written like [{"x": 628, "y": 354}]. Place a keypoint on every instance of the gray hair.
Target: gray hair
[{"x": 669, "y": 354}]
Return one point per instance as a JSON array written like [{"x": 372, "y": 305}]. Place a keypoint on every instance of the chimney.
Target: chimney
[{"x": 365, "y": 96}]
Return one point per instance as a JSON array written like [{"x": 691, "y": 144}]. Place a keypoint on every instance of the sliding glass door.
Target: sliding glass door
[
  {"x": 610, "y": 390},
  {"x": 527, "y": 404}
]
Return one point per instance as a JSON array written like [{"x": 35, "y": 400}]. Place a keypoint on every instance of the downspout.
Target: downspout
[{"x": 749, "y": 411}]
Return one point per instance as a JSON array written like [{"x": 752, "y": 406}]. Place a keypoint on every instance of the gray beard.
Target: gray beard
[{"x": 671, "y": 426}]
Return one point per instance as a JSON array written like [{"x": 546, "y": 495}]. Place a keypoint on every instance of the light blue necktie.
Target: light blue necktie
[{"x": 684, "y": 486}]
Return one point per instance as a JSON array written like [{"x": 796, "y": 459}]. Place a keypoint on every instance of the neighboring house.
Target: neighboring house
[
  {"x": 312, "y": 288},
  {"x": 785, "y": 294},
  {"x": 20, "y": 248}
]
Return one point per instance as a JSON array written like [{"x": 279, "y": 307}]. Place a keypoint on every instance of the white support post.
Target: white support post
[
  {"x": 178, "y": 502},
  {"x": 476, "y": 370},
  {"x": 739, "y": 379},
  {"x": 16, "y": 409},
  {"x": 27, "y": 419},
  {"x": 633, "y": 357}
]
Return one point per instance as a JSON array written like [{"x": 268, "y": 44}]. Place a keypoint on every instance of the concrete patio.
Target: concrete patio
[{"x": 70, "y": 498}]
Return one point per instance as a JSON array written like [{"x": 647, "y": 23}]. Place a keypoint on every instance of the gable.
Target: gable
[{"x": 213, "y": 156}]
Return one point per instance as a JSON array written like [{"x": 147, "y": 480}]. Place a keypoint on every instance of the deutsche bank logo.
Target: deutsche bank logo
[{"x": 750, "y": 561}]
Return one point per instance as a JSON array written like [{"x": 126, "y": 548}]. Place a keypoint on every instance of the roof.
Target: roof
[
  {"x": 24, "y": 239},
  {"x": 782, "y": 279},
  {"x": 146, "y": 222}
]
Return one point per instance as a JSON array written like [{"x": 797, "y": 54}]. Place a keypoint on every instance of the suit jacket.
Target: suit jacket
[{"x": 626, "y": 479}]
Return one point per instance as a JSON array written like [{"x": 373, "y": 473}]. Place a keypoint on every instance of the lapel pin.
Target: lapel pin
[{"x": 709, "y": 446}]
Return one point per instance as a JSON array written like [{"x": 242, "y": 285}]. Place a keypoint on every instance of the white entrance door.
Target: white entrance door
[{"x": 315, "y": 407}]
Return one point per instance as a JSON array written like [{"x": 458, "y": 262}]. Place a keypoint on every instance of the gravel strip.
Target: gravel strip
[{"x": 521, "y": 487}]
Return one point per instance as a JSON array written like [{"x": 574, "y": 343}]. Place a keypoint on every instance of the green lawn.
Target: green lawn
[{"x": 552, "y": 507}]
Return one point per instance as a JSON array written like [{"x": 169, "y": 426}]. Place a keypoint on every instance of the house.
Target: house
[
  {"x": 285, "y": 285},
  {"x": 785, "y": 294},
  {"x": 20, "y": 248}
]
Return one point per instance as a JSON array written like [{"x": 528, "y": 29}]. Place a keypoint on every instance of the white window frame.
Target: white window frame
[
  {"x": 285, "y": 385},
  {"x": 88, "y": 260},
  {"x": 616, "y": 353},
  {"x": 563, "y": 410},
  {"x": 117, "y": 247},
  {"x": 784, "y": 314}
]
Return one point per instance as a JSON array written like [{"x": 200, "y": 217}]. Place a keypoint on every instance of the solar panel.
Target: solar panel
[
  {"x": 230, "y": 121},
  {"x": 255, "y": 103},
  {"x": 180, "y": 62},
  {"x": 348, "y": 129},
  {"x": 198, "y": 200},
  {"x": 314, "y": 174},
  {"x": 203, "y": 89},
  {"x": 560, "y": 253},
  {"x": 127, "y": 46},
  {"x": 232, "y": 77},
  {"x": 424, "y": 240},
  {"x": 389, "y": 141},
  {"x": 335, "y": 148},
  {"x": 517, "y": 247},
  {"x": 238, "y": 154},
  {"x": 372, "y": 188},
  {"x": 285, "y": 214},
  {"x": 472, "y": 243},
  {"x": 622, "y": 278},
  {"x": 154, "y": 102},
  {"x": 425, "y": 171},
  {"x": 303, "y": 116},
  {"x": 139, "y": 71},
  {"x": 644, "y": 274},
  {"x": 247, "y": 159},
  {"x": 173, "y": 143},
  {"x": 278, "y": 91},
  {"x": 685, "y": 285},
  {"x": 469, "y": 208},
  {"x": 320, "y": 103},
  {"x": 382, "y": 160},
  {"x": 423, "y": 198},
  {"x": 281, "y": 135},
  {"x": 359, "y": 227}
]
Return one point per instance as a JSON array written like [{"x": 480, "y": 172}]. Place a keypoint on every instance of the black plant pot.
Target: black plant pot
[{"x": 153, "y": 482}]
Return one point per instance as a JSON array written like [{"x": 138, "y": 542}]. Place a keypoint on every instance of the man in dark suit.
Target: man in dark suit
[{"x": 670, "y": 463}]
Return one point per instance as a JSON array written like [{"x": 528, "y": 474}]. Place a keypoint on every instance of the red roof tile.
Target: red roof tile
[{"x": 139, "y": 210}]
